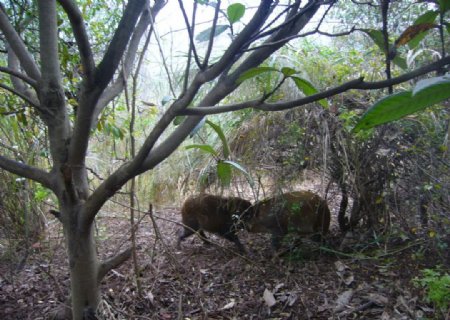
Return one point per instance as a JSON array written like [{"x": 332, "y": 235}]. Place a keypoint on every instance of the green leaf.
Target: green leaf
[
  {"x": 288, "y": 71},
  {"x": 426, "y": 93},
  {"x": 308, "y": 89},
  {"x": 305, "y": 86},
  {"x": 236, "y": 165},
  {"x": 444, "y": 5},
  {"x": 203, "y": 147},
  {"x": 427, "y": 17},
  {"x": 400, "y": 62},
  {"x": 178, "y": 120},
  {"x": 218, "y": 130},
  {"x": 377, "y": 37},
  {"x": 22, "y": 118},
  {"x": 431, "y": 91},
  {"x": 414, "y": 33},
  {"x": 416, "y": 40},
  {"x": 253, "y": 72},
  {"x": 235, "y": 12},
  {"x": 116, "y": 132},
  {"x": 388, "y": 109},
  {"x": 100, "y": 125},
  {"x": 41, "y": 193},
  {"x": 224, "y": 173},
  {"x": 242, "y": 169},
  {"x": 206, "y": 34}
]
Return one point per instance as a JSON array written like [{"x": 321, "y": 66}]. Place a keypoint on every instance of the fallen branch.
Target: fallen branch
[{"x": 113, "y": 263}]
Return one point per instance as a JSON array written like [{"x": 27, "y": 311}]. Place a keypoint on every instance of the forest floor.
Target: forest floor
[{"x": 372, "y": 281}]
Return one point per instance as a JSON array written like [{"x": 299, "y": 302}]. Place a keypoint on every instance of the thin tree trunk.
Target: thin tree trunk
[{"x": 84, "y": 266}]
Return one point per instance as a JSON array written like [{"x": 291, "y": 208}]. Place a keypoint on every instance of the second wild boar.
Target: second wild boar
[{"x": 299, "y": 212}]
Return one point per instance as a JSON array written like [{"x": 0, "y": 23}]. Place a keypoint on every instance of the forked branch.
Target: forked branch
[
  {"x": 27, "y": 171},
  {"x": 81, "y": 37},
  {"x": 18, "y": 46}
]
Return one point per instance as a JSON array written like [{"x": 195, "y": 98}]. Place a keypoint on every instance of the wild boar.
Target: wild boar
[
  {"x": 216, "y": 214},
  {"x": 300, "y": 212}
]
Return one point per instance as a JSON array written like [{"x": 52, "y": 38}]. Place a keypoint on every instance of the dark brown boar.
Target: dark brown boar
[
  {"x": 216, "y": 214},
  {"x": 300, "y": 212}
]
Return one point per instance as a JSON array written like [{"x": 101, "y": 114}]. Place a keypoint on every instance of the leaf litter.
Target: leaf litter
[{"x": 214, "y": 282}]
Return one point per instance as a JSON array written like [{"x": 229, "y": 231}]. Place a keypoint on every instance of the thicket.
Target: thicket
[
  {"x": 390, "y": 182},
  {"x": 399, "y": 170}
]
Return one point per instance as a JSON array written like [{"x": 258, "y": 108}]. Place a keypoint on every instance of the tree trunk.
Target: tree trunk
[{"x": 84, "y": 266}]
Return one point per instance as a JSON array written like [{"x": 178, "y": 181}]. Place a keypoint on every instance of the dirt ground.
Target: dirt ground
[{"x": 370, "y": 281}]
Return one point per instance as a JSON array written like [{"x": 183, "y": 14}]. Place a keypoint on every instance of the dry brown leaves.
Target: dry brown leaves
[{"x": 212, "y": 282}]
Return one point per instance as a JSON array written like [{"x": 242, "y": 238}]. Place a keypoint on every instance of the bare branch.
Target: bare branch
[
  {"x": 302, "y": 35},
  {"x": 353, "y": 84},
  {"x": 164, "y": 62},
  {"x": 19, "y": 48},
  {"x": 337, "y": 34},
  {"x": 291, "y": 17},
  {"x": 102, "y": 76},
  {"x": 275, "y": 89},
  {"x": 118, "y": 85},
  {"x": 119, "y": 42},
  {"x": 368, "y": 3},
  {"x": 279, "y": 38},
  {"x": 113, "y": 263},
  {"x": 26, "y": 171},
  {"x": 149, "y": 155},
  {"x": 127, "y": 171},
  {"x": 48, "y": 37},
  {"x": 18, "y": 79},
  {"x": 190, "y": 32},
  {"x": 211, "y": 36},
  {"x": 19, "y": 75},
  {"x": 26, "y": 98},
  {"x": 237, "y": 47},
  {"x": 14, "y": 151},
  {"x": 187, "y": 71},
  {"x": 204, "y": 76},
  {"x": 227, "y": 83},
  {"x": 263, "y": 31},
  {"x": 81, "y": 37},
  {"x": 8, "y": 113}
]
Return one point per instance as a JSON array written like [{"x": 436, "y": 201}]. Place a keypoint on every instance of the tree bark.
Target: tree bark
[{"x": 84, "y": 267}]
